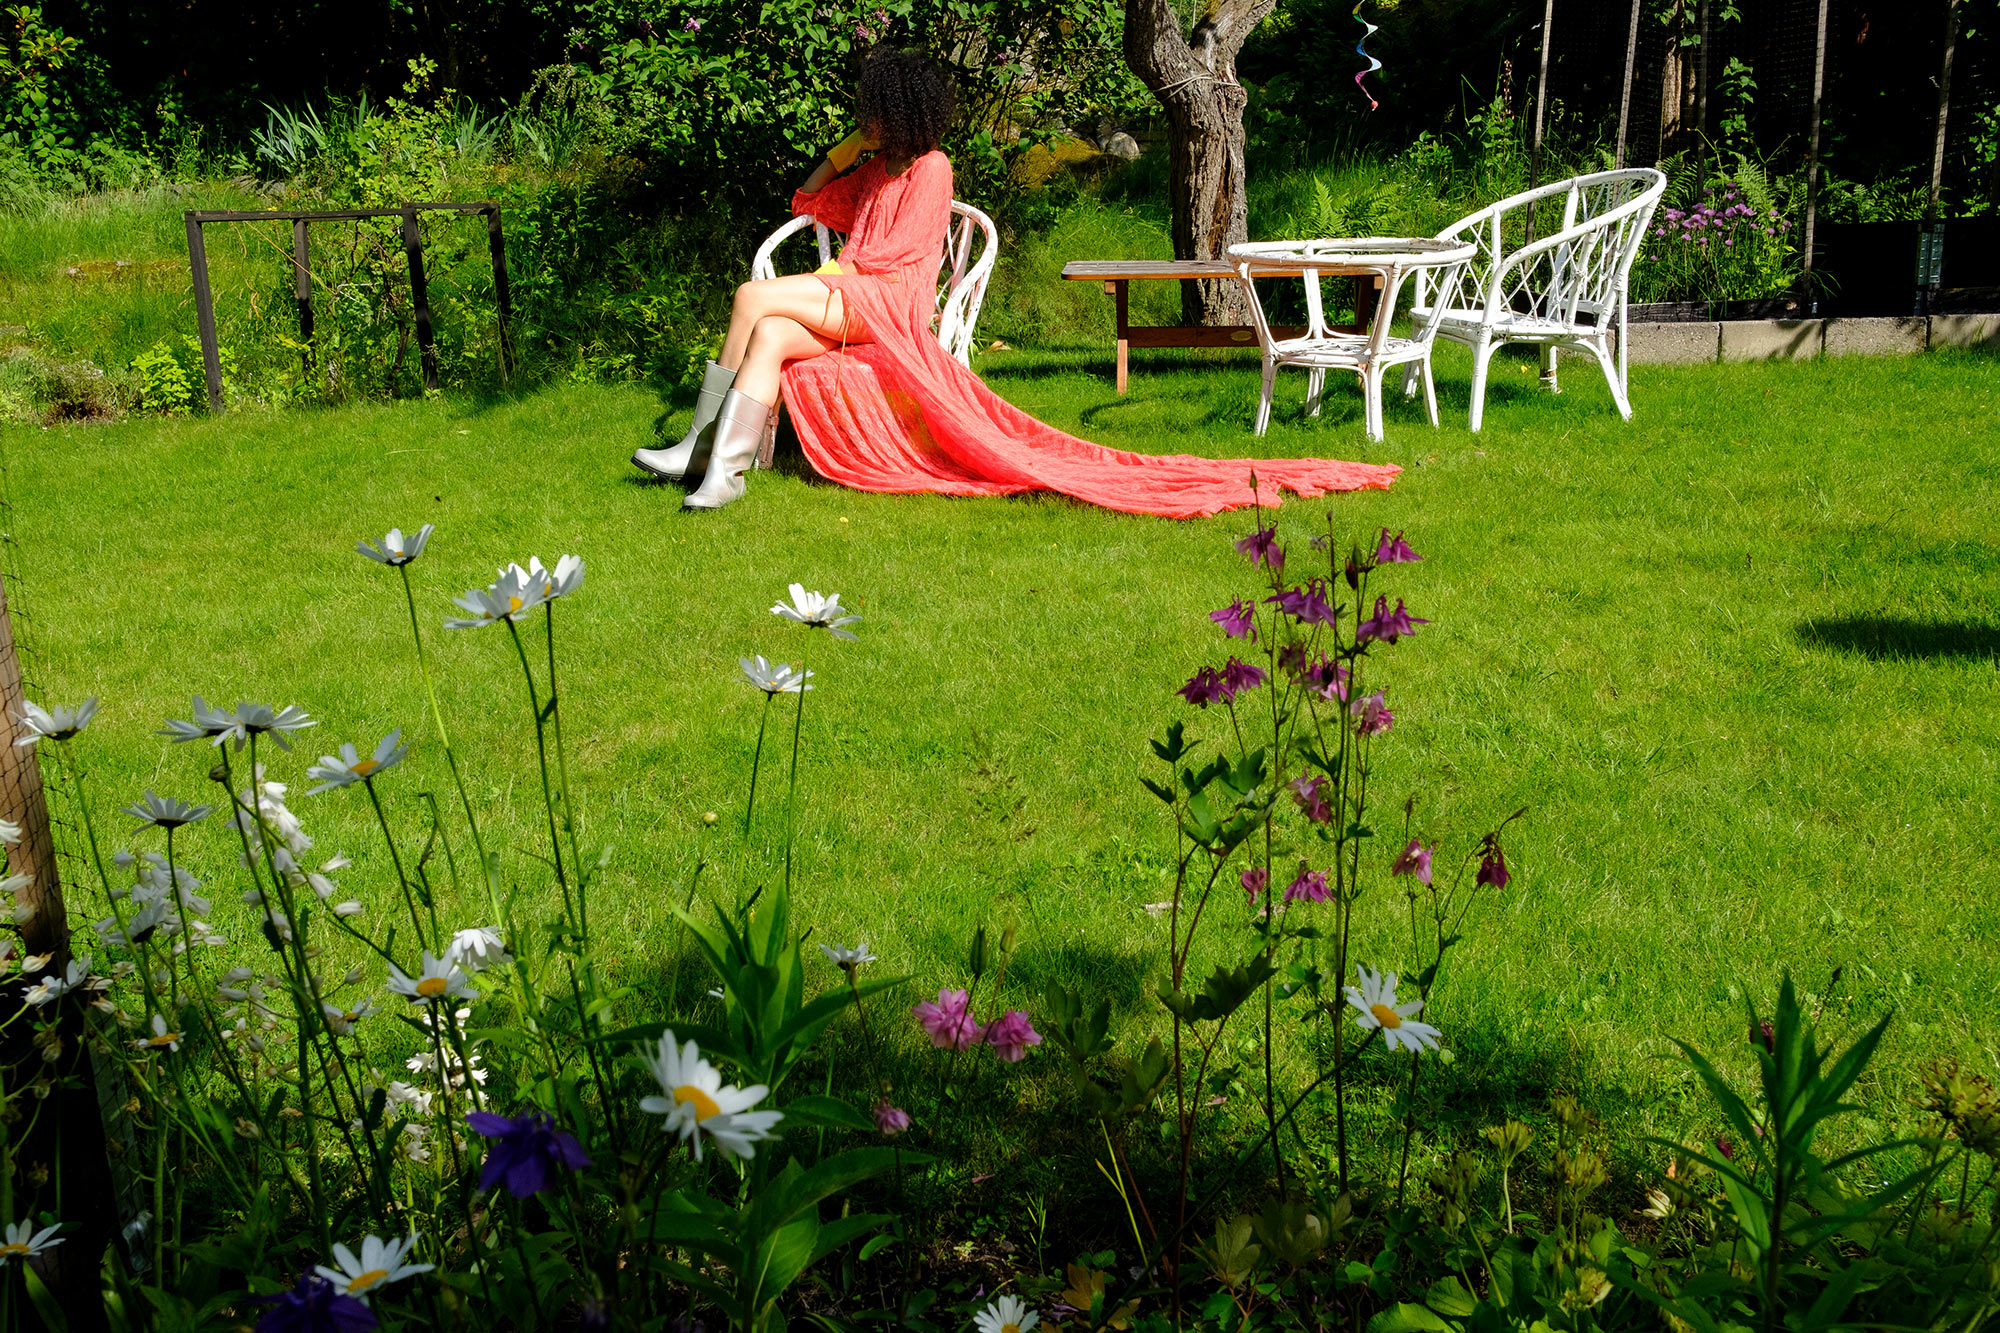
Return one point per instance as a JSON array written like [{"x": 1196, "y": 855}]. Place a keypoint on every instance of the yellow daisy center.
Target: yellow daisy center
[
  {"x": 164, "y": 1039},
  {"x": 363, "y": 768},
  {"x": 513, "y": 604},
  {"x": 1010, "y": 1328},
  {"x": 364, "y": 1281},
  {"x": 431, "y": 987},
  {"x": 13, "y": 1248},
  {"x": 1386, "y": 1016},
  {"x": 704, "y": 1105}
]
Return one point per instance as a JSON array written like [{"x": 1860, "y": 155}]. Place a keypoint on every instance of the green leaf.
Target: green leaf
[
  {"x": 1407, "y": 1318},
  {"x": 826, "y": 1113},
  {"x": 1448, "y": 1296},
  {"x": 1164, "y": 793},
  {"x": 1174, "y": 747}
]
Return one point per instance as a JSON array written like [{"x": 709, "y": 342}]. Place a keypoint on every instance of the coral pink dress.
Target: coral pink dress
[{"x": 916, "y": 420}]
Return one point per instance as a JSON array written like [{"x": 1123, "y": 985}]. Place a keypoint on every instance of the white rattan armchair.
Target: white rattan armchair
[
  {"x": 971, "y": 246},
  {"x": 1566, "y": 289}
]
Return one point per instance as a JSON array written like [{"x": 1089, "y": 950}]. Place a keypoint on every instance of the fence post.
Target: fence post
[
  {"x": 1808, "y": 278},
  {"x": 413, "y": 246},
  {"x": 302, "y": 278},
  {"x": 501, "y": 299},
  {"x": 1541, "y": 100},
  {"x": 1625, "y": 97},
  {"x": 204, "y": 311},
  {"x": 1930, "y": 248},
  {"x": 70, "y": 1135}
]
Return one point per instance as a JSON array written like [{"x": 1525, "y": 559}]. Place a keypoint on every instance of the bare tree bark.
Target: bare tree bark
[{"x": 1194, "y": 76}]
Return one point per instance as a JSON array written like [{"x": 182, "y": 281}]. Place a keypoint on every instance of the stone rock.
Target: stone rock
[{"x": 1122, "y": 145}]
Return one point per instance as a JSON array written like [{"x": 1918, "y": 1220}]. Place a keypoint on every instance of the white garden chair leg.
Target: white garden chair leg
[
  {"x": 1611, "y": 377},
  {"x": 1482, "y": 353},
  {"x": 1410, "y": 380},
  {"x": 1315, "y": 385},
  {"x": 1430, "y": 388},
  {"x": 1371, "y": 399},
  {"x": 1549, "y": 381},
  {"x": 1264, "y": 399}
]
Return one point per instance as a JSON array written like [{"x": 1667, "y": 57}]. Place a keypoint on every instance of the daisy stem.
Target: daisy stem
[
  {"x": 409, "y": 897},
  {"x": 792, "y": 791},
  {"x": 437, "y": 719},
  {"x": 1409, "y": 1124},
  {"x": 542, "y": 756},
  {"x": 562, "y": 779},
  {"x": 756, "y": 761}
]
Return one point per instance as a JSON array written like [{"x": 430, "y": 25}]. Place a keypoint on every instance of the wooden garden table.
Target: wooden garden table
[{"x": 1116, "y": 273}]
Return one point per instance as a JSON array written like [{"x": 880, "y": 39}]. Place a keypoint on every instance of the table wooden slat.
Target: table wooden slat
[{"x": 1098, "y": 270}]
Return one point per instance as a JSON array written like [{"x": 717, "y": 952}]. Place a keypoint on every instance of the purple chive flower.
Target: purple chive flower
[
  {"x": 1010, "y": 1035},
  {"x": 1237, "y": 620},
  {"x": 1203, "y": 688},
  {"x": 526, "y": 1152},
  {"x": 1415, "y": 860},
  {"x": 1371, "y": 716},
  {"x": 1254, "y": 881},
  {"x": 1326, "y": 678},
  {"x": 1493, "y": 869},
  {"x": 882, "y": 17},
  {"x": 1238, "y": 676},
  {"x": 692, "y": 25},
  {"x": 1386, "y": 625},
  {"x": 1394, "y": 550},
  {"x": 1305, "y": 790},
  {"x": 861, "y": 32},
  {"x": 1305, "y": 603},
  {"x": 1310, "y": 886},
  {"x": 890, "y": 1120},
  {"x": 315, "y": 1305},
  {"x": 1262, "y": 548},
  {"x": 949, "y": 1022}
]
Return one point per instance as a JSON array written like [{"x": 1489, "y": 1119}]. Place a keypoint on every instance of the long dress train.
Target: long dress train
[{"x": 900, "y": 414}]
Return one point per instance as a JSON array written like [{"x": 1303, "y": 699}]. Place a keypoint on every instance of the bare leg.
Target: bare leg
[
  {"x": 801, "y": 298},
  {"x": 776, "y": 340}
]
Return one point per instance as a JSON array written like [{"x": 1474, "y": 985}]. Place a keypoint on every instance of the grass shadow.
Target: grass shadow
[{"x": 1899, "y": 638}]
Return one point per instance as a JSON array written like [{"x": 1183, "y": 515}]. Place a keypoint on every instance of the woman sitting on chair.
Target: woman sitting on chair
[{"x": 925, "y": 423}]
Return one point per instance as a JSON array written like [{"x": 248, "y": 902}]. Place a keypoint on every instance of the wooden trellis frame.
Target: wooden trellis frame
[{"x": 204, "y": 298}]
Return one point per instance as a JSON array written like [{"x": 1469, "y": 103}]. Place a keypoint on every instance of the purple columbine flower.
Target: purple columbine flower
[
  {"x": 315, "y": 1305},
  {"x": 949, "y": 1022},
  {"x": 1237, "y": 620},
  {"x": 1727, "y": 1149},
  {"x": 1254, "y": 881},
  {"x": 1305, "y": 790},
  {"x": 527, "y": 1151},
  {"x": 1010, "y": 1035},
  {"x": 1310, "y": 886},
  {"x": 1262, "y": 548},
  {"x": 861, "y": 32},
  {"x": 1387, "y": 625},
  {"x": 1305, "y": 603},
  {"x": 890, "y": 1120},
  {"x": 1238, "y": 676},
  {"x": 1415, "y": 860},
  {"x": 1203, "y": 688},
  {"x": 1292, "y": 658},
  {"x": 1493, "y": 869},
  {"x": 1326, "y": 678},
  {"x": 1394, "y": 550},
  {"x": 1371, "y": 716}
]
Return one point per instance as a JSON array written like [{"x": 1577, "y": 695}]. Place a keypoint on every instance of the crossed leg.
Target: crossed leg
[{"x": 779, "y": 320}]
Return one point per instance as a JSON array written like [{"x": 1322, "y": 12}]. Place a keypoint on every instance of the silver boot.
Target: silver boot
[
  {"x": 739, "y": 429},
  {"x": 687, "y": 461}
]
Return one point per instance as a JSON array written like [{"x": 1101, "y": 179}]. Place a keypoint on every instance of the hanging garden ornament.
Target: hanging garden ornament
[{"x": 1360, "y": 49}]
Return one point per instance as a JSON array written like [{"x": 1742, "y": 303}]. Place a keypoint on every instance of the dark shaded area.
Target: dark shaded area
[{"x": 1899, "y": 638}]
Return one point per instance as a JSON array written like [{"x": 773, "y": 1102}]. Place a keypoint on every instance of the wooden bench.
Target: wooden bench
[{"x": 1116, "y": 273}]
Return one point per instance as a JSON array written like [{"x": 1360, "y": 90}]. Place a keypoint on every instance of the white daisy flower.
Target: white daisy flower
[
  {"x": 396, "y": 549},
  {"x": 248, "y": 720},
  {"x": 348, "y": 767},
  {"x": 815, "y": 611},
  {"x": 438, "y": 980},
  {"x": 53, "y": 987},
  {"x": 161, "y": 1040},
  {"x": 379, "y": 1263},
  {"x": 477, "y": 949},
  {"x": 401, "y": 1095},
  {"x": 209, "y": 723},
  {"x": 510, "y": 597},
  {"x": 340, "y": 1022},
  {"x": 166, "y": 811},
  {"x": 15, "y": 883},
  {"x": 23, "y": 1240},
  {"x": 783, "y": 678},
  {"x": 1376, "y": 1000},
  {"x": 1008, "y": 1314},
  {"x": 847, "y": 958},
  {"x": 697, "y": 1102},
  {"x": 56, "y": 724},
  {"x": 561, "y": 581}
]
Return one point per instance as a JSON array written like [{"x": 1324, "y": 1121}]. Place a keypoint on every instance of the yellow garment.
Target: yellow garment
[
  {"x": 830, "y": 266},
  {"x": 848, "y": 151}
]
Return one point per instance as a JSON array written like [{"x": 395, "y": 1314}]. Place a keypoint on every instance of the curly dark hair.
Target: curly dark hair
[{"x": 905, "y": 92}]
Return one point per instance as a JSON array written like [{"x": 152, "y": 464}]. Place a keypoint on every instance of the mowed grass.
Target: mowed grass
[{"x": 1736, "y": 659}]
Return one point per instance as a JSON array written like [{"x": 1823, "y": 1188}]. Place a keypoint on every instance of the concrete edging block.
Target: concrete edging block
[
  {"x": 1889, "y": 336},
  {"x": 1965, "y": 331},
  {"x": 1672, "y": 344},
  {"x": 1772, "y": 339}
]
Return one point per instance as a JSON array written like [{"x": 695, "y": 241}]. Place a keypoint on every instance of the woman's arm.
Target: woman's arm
[{"x": 828, "y": 200}]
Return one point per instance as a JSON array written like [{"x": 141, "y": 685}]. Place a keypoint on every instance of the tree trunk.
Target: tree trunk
[{"x": 1194, "y": 77}]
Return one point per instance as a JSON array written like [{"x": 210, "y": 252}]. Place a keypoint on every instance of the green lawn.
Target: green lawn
[{"x": 1736, "y": 658}]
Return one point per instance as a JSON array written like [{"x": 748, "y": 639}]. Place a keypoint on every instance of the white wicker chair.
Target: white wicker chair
[
  {"x": 1566, "y": 289},
  {"x": 961, "y": 286}
]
